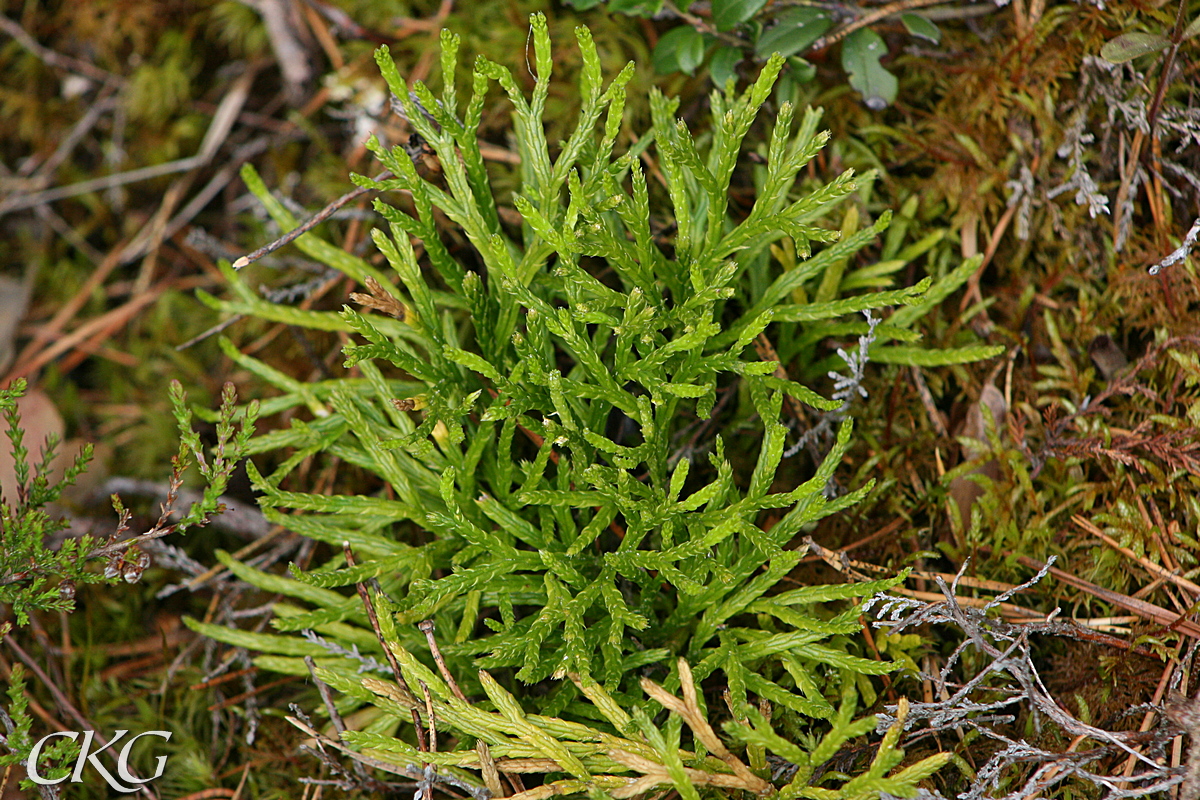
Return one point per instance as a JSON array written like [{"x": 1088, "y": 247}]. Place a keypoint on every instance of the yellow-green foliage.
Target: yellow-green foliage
[{"x": 539, "y": 508}]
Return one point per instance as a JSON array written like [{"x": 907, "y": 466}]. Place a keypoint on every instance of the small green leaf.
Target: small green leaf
[
  {"x": 921, "y": 27},
  {"x": 794, "y": 30},
  {"x": 1191, "y": 30},
  {"x": 860, "y": 58},
  {"x": 724, "y": 64},
  {"x": 633, "y": 8},
  {"x": 800, "y": 71},
  {"x": 1129, "y": 46},
  {"x": 679, "y": 50},
  {"x": 727, "y": 14}
]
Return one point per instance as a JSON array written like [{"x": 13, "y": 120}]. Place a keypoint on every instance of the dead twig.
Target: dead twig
[
  {"x": 1148, "y": 611},
  {"x": 491, "y": 776},
  {"x": 54, "y": 59},
  {"x": 1145, "y": 563},
  {"x": 401, "y": 685},
  {"x": 308, "y": 224}
]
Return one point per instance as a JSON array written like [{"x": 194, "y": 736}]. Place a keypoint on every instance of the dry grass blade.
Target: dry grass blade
[
  {"x": 1145, "y": 563},
  {"x": 689, "y": 709},
  {"x": 101, "y": 327},
  {"x": 1157, "y": 614},
  {"x": 157, "y": 228},
  {"x": 655, "y": 774}
]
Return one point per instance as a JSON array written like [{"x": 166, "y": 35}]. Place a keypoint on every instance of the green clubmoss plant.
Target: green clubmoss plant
[{"x": 524, "y": 416}]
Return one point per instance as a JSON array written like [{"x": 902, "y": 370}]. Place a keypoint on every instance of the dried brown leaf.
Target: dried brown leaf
[{"x": 380, "y": 299}]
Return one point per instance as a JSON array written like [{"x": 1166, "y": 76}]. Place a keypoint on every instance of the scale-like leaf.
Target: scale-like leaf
[{"x": 547, "y": 481}]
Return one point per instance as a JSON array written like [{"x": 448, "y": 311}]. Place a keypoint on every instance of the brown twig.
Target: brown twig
[
  {"x": 886, "y": 530},
  {"x": 54, "y": 59},
  {"x": 306, "y": 226},
  {"x": 218, "y": 680},
  {"x": 246, "y": 695},
  {"x": 870, "y": 18},
  {"x": 1145, "y": 563},
  {"x": 1161, "y": 616},
  {"x": 704, "y": 26},
  {"x": 339, "y": 724},
  {"x": 491, "y": 776},
  {"x": 427, "y": 627},
  {"x": 372, "y": 615}
]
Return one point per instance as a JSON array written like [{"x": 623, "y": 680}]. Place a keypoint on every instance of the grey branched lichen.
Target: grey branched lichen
[
  {"x": 1073, "y": 149},
  {"x": 845, "y": 389},
  {"x": 985, "y": 702},
  {"x": 365, "y": 663},
  {"x": 1113, "y": 98},
  {"x": 1181, "y": 252}
]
